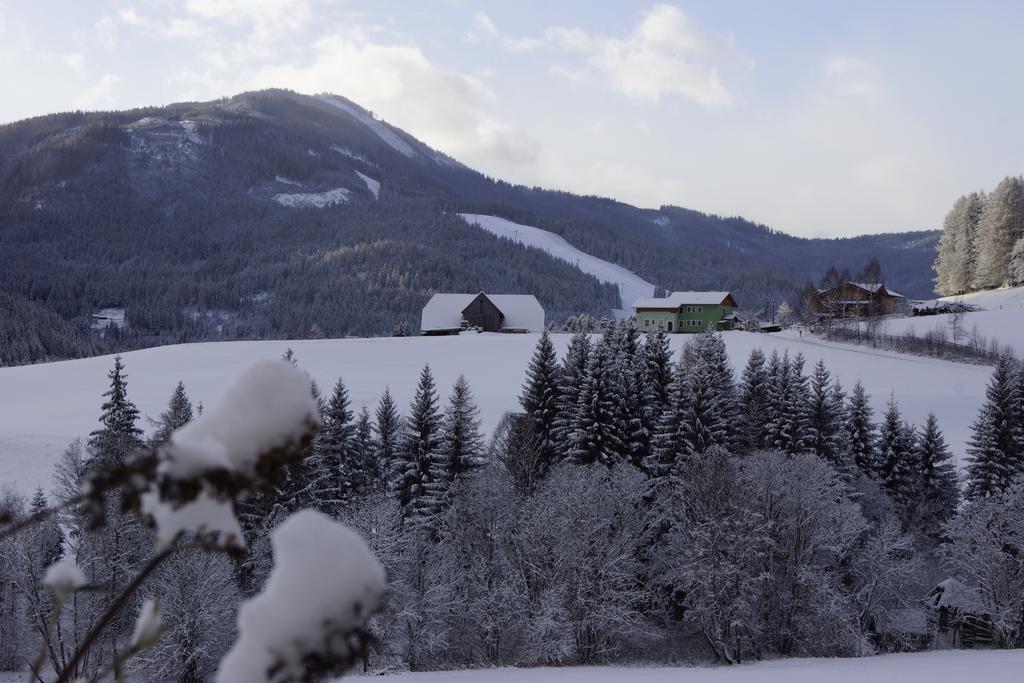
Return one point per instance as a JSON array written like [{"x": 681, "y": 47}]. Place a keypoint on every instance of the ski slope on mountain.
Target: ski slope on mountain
[
  {"x": 631, "y": 286},
  {"x": 44, "y": 407},
  {"x": 948, "y": 666},
  {"x": 1001, "y": 317}
]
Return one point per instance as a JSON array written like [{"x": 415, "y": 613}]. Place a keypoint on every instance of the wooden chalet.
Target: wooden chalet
[
  {"x": 453, "y": 313},
  {"x": 856, "y": 300}
]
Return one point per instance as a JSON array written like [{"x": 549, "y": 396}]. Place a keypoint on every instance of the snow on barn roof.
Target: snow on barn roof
[
  {"x": 677, "y": 299},
  {"x": 521, "y": 311},
  {"x": 872, "y": 287}
]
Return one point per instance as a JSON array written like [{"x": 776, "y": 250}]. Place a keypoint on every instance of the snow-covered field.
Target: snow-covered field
[
  {"x": 43, "y": 407},
  {"x": 1001, "y": 318},
  {"x": 950, "y": 666},
  {"x": 631, "y": 286}
]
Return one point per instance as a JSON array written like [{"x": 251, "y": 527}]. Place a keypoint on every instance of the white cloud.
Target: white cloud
[
  {"x": 277, "y": 14},
  {"x": 850, "y": 76},
  {"x": 105, "y": 32},
  {"x": 101, "y": 95},
  {"x": 447, "y": 109},
  {"x": 664, "y": 54}
]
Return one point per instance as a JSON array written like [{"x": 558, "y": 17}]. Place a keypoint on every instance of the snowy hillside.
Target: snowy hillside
[
  {"x": 923, "y": 667},
  {"x": 1001, "y": 318},
  {"x": 631, "y": 286},
  {"x": 43, "y": 407}
]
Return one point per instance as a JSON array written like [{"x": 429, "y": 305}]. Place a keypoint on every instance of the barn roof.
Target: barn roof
[
  {"x": 872, "y": 287},
  {"x": 677, "y": 299},
  {"x": 520, "y": 311}
]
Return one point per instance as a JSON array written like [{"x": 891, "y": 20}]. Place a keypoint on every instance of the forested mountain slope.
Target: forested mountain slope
[{"x": 272, "y": 214}]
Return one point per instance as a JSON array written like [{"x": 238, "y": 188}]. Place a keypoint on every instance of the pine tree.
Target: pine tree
[
  {"x": 574, "y": 373},
  {"x": 337, "y": 473},
  {"x": 789, "y": 400},
  {"x": 897, "y": 454},
  {"x": 754, "y": 402},
  {"x": 597, "y": 433},
  {"x": 366, "y": 451},
  {"x": 657, "y": 358},
  {"x": 177, "y": 415},
  {"x": 419, "y": 443},
  {"x": 639, "y": 422},
  {"x": 956, "y": 265},
  {"x": 938, "y": 493},
  {"x": 541, "y": 397},
  {"x": 996, "y": 448},
  {"x": 826, "y": 427},
  {"x": 118, "y": 437},
  {"x": 388, "y": 425},
  {"x": 460, "y": 448},
  {"x": 861, "y": 431}
]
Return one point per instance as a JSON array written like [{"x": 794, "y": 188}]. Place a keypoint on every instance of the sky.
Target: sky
[{"x": 816, "y": 118}]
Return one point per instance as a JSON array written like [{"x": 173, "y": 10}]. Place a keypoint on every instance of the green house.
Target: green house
[{"x": 686, "y": 312}]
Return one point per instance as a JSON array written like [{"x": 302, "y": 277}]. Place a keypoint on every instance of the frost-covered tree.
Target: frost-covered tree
[
  {"x": 388, "y": 430},
  {"x": 827, "y": 428},
  {"x": 574, "y": 375},
  {"x": 338, "y": 473},
  {"x": 984, "y": 552},
  {"x": 119, "y": 436},
  {"x": 996, "y": 448},
  {"x": 657, "y": 358},
  {"x": 861, "y": 430},
  {"x": 597, "y": 432},
  {"x": 420, "y": 440},
  {"x": 956, "y": 264},
  {"x": 541, "y": 397},
  {"x": 897, "y": 455},
  {"x": 460, "y": 446},
  {"x": 937, "y": 494},
  {"x": 754, "y": 401},
  {"x": 1001, "y": 226},
  {"x": 366, "y": 452},
  {"x": 788, "y": 427},
  {"x": 639, "y": 408},
  {"x": 177, "y": 415},
  {"x": 1017, "y": 264}
]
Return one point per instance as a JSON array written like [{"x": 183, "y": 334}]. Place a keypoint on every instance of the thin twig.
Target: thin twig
[{"x": 112, "y": 610}]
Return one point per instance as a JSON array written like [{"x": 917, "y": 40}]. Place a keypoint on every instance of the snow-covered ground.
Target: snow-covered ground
[
  {"x": 43, "y": 407},
  {"x": 312, "y": 200},
  {"x": 949, "y": 666},
  {"x": 631, "y": 286},
  {"x": 371, "y": 184},
  {"x": 1001, "y": 318},
  {"x": 381, "y": 129}
]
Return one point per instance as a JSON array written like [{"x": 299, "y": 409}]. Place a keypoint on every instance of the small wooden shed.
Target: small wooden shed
[{"x": 452, "y": 313}]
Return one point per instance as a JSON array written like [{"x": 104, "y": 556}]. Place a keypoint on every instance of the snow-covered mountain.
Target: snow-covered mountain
[{"x": 273, "y": 214}]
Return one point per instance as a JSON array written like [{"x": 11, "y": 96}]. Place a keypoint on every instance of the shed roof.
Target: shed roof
[
  {"x": 520, "y": 311},
  {"x": 677, "y": 299}
]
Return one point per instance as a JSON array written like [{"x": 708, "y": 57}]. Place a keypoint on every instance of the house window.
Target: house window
[{"x": 700, "y": 309}]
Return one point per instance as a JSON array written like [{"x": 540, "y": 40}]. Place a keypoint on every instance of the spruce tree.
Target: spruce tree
[
  {"x": 639, "y": 422},
  {"x": 754, "y": 402},
  {"x": 861, "y": 431},
  {"x": 668, "y": 438},
  {"x": 574, "y": 373},
  {"x": 366, "y": 451},
  {"x": 177, "y": 415},
  {"x": 597, "y": 433},
  {"x": 897, "y": 453},
  {"x": 541, "y": 397},
  {"x": 460, "y": 448},
  {"x": 337, "y": 472},
  {"x": 657, "y": 358},
  {"x": 826, "y": 427},
  {"x": 996, "y": 448},
  {"x": 938, "y": 493},
  {"x": 789, "y": 400},
  {"x": 388, "y": 426},
  {"x": 119, "y": 437},
  {"x": 419, "y": 443}
]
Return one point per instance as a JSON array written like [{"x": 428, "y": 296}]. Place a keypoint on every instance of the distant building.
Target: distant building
[
  {"x": 856, "y": 300},
  {"x": 451, "y": 313},
  {"x": 686, "y": 312}
]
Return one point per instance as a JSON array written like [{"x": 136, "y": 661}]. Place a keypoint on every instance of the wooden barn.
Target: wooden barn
[
  {"x": 961, "y": 621},
  {"x": 453, "y": 313},
  {"x": 856, "y": 300}
]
